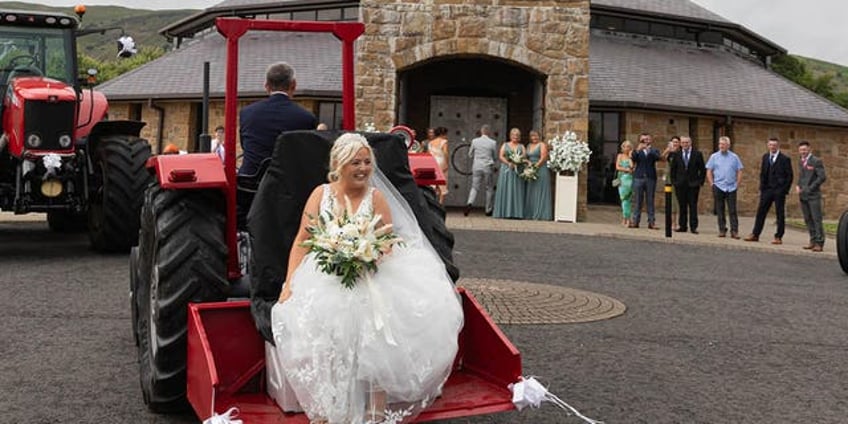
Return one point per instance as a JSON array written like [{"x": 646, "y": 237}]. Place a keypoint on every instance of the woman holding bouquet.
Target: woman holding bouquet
[
  {"x": 537, "y": 203},
  {"x": 381, "y": 349},
  {"x": 509, "y": 197}
]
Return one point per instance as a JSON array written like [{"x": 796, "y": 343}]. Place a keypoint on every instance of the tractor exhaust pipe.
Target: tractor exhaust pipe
[{"x": 204, "y": 142}]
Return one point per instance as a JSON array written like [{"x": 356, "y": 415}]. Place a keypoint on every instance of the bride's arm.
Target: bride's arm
[
  {"x": 297, "y": 252},
  {"x": 381, "y": 207}
]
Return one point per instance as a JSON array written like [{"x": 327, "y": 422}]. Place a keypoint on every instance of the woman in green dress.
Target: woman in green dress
[
  {"x": 509, "y": 196},
  {"x": 538, "y": 203},
  {"x": 624, "y": 168}
]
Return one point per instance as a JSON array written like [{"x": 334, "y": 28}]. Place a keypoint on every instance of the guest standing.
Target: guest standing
[
  {"x": 538, "y": 203},
  {"x": 484, "y": 155},
  {"x": 724, "y": 169},
  {"x": 667, "y": 156},
  {"x": 645, "y": 180},
  {"x": 775, "y": 182},
  {"x": 687, "y": 176},
  {"x": 438, "y": 147},
  {"x": 624, "y": 173},
  {"x": 509, "y": 197},
  {"x": 810, "y": 179}
]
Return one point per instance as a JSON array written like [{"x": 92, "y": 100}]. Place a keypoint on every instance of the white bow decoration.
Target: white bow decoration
[
  {"x": 529, "y": 392},
  {"x": 225, "y": 418},
  {"x": 126, "y": 46}
]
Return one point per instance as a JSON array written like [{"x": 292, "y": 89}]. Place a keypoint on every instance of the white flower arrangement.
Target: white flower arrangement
[
  {"x": 568, "y": 153},
  {"x": 530, "y": 173},
  {"x": 348, "y": 245}
]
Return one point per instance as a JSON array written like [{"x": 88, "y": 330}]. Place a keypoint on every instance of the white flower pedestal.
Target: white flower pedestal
[{"x": 565, "y": 197}]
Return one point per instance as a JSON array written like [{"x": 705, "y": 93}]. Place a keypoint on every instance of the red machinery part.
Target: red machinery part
[{"x": 226, "y": 365}]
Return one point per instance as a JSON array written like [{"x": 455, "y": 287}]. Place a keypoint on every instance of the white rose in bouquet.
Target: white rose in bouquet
[{"x": 568, "y": 153}]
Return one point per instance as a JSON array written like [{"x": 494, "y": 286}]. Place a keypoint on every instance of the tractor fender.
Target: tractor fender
[
  {"x": 93, "y": 108},
  {"x": 104, "y": 128},
  {"x": 189, "y": 171}
]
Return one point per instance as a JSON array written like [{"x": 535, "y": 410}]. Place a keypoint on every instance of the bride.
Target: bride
[{"x": 380, "y": 352}]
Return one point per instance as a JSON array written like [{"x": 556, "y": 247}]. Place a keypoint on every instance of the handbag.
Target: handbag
[{"x": 616, "y": 182}]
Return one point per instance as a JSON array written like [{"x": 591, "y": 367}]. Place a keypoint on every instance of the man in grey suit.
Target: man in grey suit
[
  {"x": 484, "y": 152},
  {"x": 810, "y": 179}
]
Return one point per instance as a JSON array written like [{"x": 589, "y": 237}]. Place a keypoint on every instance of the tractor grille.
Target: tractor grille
[{"x": 50, "y": 120}]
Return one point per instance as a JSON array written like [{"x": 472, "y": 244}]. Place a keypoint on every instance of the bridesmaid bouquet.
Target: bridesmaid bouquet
[
  {"x": 348, "y": 245},
  {"x": 516, "y": 157},
  {"x": 529, "y": 173}
]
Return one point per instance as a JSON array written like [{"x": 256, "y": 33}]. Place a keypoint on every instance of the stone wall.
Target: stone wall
[
  {"x": 550, "y": 37},
  {"x": 180, "y": 123},
  {"x": 748, "y": 140}
]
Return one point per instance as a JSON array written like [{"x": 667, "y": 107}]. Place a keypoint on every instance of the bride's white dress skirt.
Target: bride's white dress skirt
[{"x": 386, "y": 346}]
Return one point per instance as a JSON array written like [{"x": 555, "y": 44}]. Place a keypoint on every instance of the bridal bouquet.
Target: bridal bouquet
[
  {"x": 348, "y": 245},
  {"x": 529, "y": 173},
  {"x": 568, "y": 153}
]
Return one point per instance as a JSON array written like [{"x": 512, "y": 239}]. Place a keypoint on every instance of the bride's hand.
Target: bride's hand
[{"x": 284, "y": 295}]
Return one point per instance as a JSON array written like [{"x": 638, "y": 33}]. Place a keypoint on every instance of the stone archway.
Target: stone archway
[{"x": 549, "y": 37}]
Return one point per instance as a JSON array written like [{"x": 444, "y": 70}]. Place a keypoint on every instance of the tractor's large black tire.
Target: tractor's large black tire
[
  {"x": 298, "y": 165},
  {"x": 182, "y": 259},
  {"x": 62, "y": 221},
  {"x": 842, "y": 241},
  {"x": 113, "y": 215}
]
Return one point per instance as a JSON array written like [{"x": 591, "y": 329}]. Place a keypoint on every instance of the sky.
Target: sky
[{"x": 812, "y": 28}]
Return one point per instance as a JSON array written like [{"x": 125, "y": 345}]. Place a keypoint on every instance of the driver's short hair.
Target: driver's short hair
[{"x": 279, "y": 76}]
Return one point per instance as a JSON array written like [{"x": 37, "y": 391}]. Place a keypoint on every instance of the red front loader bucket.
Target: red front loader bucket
[{"x": 226, "y": 367}]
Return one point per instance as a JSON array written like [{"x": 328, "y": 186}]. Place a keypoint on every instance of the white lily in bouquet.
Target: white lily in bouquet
[
  {"x": 349, "y": 245},
  {"x": 517, "y": 158},
  {"x": 568, "y": 153},
  {"x": 529, "y": 173}
]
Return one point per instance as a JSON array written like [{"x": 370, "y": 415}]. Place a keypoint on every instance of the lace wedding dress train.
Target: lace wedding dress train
[{"x": 377, "y": 353}]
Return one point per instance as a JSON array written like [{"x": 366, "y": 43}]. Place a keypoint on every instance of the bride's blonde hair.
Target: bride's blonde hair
[{"x": 343, "y": 152}]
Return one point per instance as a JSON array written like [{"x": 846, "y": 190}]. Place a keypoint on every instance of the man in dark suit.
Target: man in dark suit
[
  {"x": 262, "y": 122},
  {"x": 688, "y": 174},
  {"x": 810, "y": 179},
  {"x": 775, "y": 182},
  {"x": 645, "y": 158}
]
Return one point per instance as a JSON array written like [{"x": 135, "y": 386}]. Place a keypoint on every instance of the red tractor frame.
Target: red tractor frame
[{"x": 196, "y": 347}]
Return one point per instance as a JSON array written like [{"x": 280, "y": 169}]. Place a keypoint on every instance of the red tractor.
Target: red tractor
[
  {"x": 58, "y": 152},
  {"x": 196, "y": 347}
]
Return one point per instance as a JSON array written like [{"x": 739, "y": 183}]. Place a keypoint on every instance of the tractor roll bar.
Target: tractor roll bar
[{"x": 232, "y": 29}]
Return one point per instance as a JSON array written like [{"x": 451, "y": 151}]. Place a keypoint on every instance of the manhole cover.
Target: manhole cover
[{"x": 519, "y": 302}]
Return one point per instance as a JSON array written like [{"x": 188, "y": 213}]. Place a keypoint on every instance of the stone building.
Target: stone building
[{"x": 609, "y": 71}]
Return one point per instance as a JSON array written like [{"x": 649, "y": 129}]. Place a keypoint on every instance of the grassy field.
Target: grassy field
[
  {"x": 142, "y": 24},
  {"x": 819, "y": 68}
]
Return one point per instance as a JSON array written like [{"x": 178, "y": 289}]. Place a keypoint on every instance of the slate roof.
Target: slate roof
[
  {"x": 643, "y": 74},
  {"x": 316, "y": 58},
  {"x": 671, "y": 8}
]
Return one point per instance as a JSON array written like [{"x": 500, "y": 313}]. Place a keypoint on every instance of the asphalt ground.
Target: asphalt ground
[{"x": 711, "y": 334}]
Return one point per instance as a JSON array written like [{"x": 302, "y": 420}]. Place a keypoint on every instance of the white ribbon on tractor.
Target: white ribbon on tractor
[
  {"x": 228, "y": 417},
  {"x": 529, "y": 392}
]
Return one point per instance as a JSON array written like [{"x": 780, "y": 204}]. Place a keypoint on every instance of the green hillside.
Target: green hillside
[
  {"x": 819, "y": 68},
  {"x": 143, "y": 25}
]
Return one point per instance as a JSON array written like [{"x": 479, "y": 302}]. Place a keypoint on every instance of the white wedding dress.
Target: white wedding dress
[{"x": 377, "y": 353}]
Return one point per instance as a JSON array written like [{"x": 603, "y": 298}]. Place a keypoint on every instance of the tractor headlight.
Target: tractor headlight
[
  {"x": 33, "y": 141},
  {"x": 65, "y": 141}
]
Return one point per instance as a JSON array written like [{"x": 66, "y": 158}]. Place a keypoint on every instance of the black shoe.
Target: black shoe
[
  {"x": 694, "y": 231},
  {"x": 467, "y": 210},
  {"x": 680, "y": 230},
  {"x": 489, "y": 213}
]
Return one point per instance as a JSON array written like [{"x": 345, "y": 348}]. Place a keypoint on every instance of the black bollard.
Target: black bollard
[{"x": 668, "y": 213}]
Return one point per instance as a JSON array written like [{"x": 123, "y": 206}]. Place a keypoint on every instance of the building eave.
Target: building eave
[
  {"x": 740, "y": 31},
  {"x": 187, "y": 27}
]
